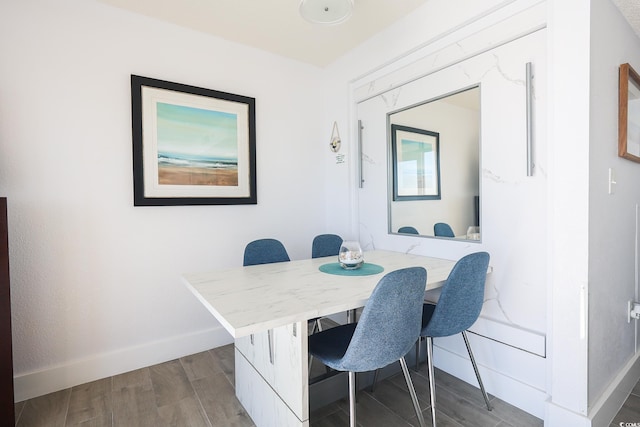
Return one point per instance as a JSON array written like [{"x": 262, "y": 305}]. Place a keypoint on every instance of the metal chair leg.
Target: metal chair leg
[
  {"x": 475, "y": 368},
  {"x": 432, "y": 380},
  {"x": 317, "y": 327},
  {"x": 412, "y": 392},
  {"x": 352, "y": 399},
  {"x": 418, "y": 353},
  {"x": 375, "y": 380}
]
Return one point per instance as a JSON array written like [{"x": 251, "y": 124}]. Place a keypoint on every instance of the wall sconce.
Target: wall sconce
[
  {"x": 335, "y": 142},
  {"x": 326, "y": 12}
]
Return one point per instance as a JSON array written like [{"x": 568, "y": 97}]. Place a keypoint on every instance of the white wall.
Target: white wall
[
  {"x": 95, "y": 282},
  {"x": 613, "y": 229}
]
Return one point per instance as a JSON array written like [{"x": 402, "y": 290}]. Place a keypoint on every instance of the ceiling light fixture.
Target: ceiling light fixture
[{"x": 327, "y": 12}]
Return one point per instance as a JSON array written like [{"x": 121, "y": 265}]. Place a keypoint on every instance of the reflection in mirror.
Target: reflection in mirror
[{"x": 455, "y": 118}]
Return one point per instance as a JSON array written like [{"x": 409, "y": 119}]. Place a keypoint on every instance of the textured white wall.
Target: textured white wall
[
  {"x": 95, "y": 281},
  {"x": 613, "y": 229}
]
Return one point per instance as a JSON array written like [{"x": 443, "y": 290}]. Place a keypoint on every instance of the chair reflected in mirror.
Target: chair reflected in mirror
[
  {"x": 407, "y": 229},
  {"x": 442, "y": 229}
]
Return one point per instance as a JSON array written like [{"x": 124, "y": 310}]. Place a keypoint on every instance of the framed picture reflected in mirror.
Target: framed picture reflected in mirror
[{"x": 416, "y": 163}]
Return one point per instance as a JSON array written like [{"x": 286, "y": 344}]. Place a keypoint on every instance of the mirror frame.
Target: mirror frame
[{"x": 628, "y": 76}]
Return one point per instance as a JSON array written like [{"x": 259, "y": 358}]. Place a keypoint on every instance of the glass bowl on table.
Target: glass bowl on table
[
  {"x": 350, "y": 256},
  {"x": 473, "y": 233}
]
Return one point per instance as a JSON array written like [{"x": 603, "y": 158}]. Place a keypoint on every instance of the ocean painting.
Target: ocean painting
[{"x": 196, "y": 146}]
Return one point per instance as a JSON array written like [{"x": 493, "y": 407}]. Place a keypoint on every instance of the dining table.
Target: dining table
[{"x": 266, "y": 309}]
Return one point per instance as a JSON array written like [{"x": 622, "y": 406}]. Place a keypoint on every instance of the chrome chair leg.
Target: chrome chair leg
[
  {"x": 412, "y": 392},
  {"x": 317, "y": 327},
  {"x": 375, "y": 380},
  {"x": 418, "y": 353},
  {"x": 475, "y": 368},
  {"x": 432, "y": 380},
  {"x": 352, "y": 399}
]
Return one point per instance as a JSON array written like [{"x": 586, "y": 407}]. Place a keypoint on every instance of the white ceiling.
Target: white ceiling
[
  {"x": 276, "y": 26},
  {"x": 631, "y": 11}
]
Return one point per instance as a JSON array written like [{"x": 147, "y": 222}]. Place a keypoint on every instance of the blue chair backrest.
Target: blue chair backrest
[
  {"x": 442, "y": 229},
  {"x": 461, "y": 298},
  {"x": 325, "y": 245},
  {"x": 407, "y": 229},
  {"x": 265, "y": 251},
  {"x": 390, "y": 322}
]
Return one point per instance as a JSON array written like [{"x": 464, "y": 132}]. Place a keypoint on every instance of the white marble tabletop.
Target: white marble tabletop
[{"x": 252, "y": 299}]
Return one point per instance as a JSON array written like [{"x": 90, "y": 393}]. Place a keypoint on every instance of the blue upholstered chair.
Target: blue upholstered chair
[
  {"x": 388, "y": 328},
  {"x": 325, "y": 245},
  {"x": 407, "y": 229},
  {"x": 442, "y": 229},
  {"x": 457, "y": 309},
  {"x": 265, "y": 251}
]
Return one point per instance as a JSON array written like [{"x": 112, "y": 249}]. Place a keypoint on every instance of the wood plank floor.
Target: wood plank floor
[
  {"x": 198, "y": 390},
  {"x": 630, "y": 411}
]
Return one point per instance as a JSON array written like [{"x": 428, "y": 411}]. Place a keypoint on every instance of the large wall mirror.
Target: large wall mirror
[{"x": 455, "y": 119}]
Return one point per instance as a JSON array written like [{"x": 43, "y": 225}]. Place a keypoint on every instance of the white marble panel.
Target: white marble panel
[
  {"x": 484, "y": 33},
  {"x": 513, "y": 206},
  {"x": 287, "y": 371},
  {"x": 259, "y": 400}
]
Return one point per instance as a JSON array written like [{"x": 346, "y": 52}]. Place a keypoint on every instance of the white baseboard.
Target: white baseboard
[
  {"x": 612, "y": 399},
  {"x": 512, "y": 374},
  {"x": 605, "y": 408},
  {"x": 38, "y": 383}
]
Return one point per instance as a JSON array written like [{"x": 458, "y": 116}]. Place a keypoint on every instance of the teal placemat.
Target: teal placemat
[{"x": 367, "y": 269}]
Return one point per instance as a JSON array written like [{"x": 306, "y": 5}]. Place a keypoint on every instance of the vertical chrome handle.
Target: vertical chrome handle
[
  {"x": 360, "y": 172},
  {"x": 529, "y": 85},
  {"x": 271, "y": 349}
]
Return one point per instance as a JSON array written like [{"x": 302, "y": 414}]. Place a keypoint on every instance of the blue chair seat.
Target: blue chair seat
[
  {"x": 427, "y": 312},
  {"x": 330, "y": 345}
]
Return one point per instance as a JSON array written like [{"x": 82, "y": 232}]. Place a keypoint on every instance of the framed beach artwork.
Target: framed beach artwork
[
  {"x": 191, "y": 145},
  {"x": 415, "y": 161}
]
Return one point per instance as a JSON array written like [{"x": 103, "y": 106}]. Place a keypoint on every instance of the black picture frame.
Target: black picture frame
[
  {"x": 415, "y": 155},
  {"x": 191, "y": 145}
]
